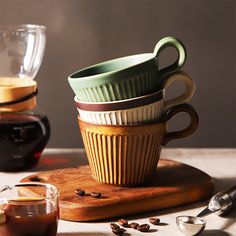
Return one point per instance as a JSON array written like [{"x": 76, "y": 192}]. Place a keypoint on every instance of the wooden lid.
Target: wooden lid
[{"x": 15, "y": 89}]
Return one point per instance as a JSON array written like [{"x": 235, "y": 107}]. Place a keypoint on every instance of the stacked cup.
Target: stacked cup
[{"x": 123, "y": 113}]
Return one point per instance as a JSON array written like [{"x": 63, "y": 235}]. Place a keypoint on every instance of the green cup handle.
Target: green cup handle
[
  {"x": 186, "y": 95},
  {"x": 181, "y": 58},
  {"x": 189, "y": 130}
]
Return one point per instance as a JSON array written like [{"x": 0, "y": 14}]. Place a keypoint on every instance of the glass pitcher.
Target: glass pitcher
[{"x": 24, "y": 131}]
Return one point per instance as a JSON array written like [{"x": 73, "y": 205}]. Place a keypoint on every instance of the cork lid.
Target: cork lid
[{"x": 17, "y": 91}]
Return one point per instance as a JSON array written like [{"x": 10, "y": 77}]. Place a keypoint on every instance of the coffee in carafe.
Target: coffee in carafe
[{"x": 22, "y": 138}]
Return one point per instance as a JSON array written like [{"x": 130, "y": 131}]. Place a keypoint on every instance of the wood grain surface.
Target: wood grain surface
[{"x": 173, "y": 184}]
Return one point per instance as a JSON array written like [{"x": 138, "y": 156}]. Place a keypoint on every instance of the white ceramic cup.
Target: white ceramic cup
[{"x": 138, "y": 110}]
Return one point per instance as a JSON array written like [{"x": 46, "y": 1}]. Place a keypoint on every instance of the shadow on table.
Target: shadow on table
[
  {"x": 220, "y": 184},
  {"x": 224, "y": 183},
  {"x": 168, "y": 211},
  {"x": 215, "y": 233},
  {"x": 230, "y": 219},
  {"x": 87, "y": 234},
  {"x": 205, "y": 233}
]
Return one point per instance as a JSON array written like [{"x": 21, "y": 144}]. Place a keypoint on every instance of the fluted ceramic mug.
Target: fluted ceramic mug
[
  {"x": 127, "y": 155},
  {"x": 126, "y": 77}
]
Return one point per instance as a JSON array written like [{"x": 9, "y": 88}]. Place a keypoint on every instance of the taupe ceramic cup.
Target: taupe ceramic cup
[
  {"x": 127, "y": 155},
  {"x": 126, "y": 77},
  {"x": 136, "y": 110}
]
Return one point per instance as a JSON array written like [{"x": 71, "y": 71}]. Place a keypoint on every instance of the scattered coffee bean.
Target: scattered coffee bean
[
  {"x": 154, "y": 221},
  {"x": 118, "y": 231},
  {"x": 95, "y": 194},
  {"x": 134, "y": 225},
  {"x": 35, "y": 179},
  {"x": 80, "y": 192},
  {"x": 114, "y": 226},
  {"x": 143, "y": 228},
  {"x": 123, "y": 222}
]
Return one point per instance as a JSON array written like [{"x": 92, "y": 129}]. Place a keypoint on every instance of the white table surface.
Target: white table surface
[{"x": 218, "y": 163}]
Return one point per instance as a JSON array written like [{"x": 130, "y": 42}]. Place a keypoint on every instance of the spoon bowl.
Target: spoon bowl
[{"x": 190, "y": 225}]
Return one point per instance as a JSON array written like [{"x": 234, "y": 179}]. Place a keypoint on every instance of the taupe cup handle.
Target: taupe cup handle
[
  {"x": 181, "y": 58},
  {"x": 192, "y": 127},
  {"x": 186, "y": 95}
]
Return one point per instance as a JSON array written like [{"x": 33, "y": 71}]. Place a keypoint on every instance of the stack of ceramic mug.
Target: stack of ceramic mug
[{"x": 123, "y": 113}]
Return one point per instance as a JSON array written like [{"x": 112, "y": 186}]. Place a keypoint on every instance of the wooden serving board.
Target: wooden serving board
[{"x": 173, "y": 184}]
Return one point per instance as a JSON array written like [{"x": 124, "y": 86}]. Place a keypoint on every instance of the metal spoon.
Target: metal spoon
[
  {"x": 220, "y": 203},
  {"x": 190, "y": 225}
]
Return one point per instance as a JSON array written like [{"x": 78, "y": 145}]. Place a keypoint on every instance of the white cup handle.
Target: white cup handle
[{"x": 186, "y": 95}]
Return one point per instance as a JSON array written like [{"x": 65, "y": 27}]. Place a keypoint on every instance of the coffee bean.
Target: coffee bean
[
  {"x": 118, "y": 231},
  {"x": 114, "y": 226},
  {"x": 154, "y": 220},
  {"x": 95, "y": 194},
  {"x": 123, "y": 222},
  {"x": 134, "y": 225},
  {"x": 143, "y": 228},
  {"x": 80, "y": 192}
]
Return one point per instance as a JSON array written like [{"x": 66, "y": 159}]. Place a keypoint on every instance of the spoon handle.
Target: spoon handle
[
  {"x": 223, "y": 202},
  {"x": 232, "y": 194}
]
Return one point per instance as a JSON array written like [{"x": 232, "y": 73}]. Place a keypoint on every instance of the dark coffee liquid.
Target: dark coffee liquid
[
  {"x": 22, "y": 140},
  {"x": 30, "y": 218}
]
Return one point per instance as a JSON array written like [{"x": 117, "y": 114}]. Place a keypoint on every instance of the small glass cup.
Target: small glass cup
[{"x": 29, "y": 209}]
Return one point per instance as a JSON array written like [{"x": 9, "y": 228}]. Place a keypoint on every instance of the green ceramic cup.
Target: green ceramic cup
[{"x": 126, "y": 77}]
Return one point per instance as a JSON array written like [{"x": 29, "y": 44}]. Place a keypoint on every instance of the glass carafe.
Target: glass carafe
[{"x": 24, "y": 130}]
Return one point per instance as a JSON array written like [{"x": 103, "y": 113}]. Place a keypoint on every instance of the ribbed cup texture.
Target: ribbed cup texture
[
  {"x": 122, "y": 157},
  {"x": 137, "y": 115},
  {"x": 122, "y": 89}
]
